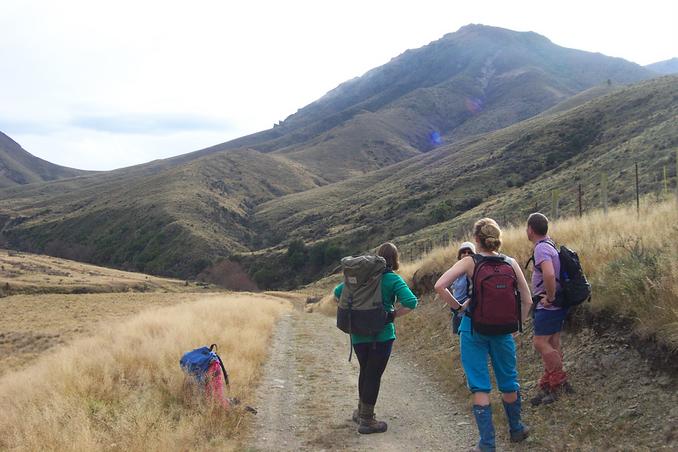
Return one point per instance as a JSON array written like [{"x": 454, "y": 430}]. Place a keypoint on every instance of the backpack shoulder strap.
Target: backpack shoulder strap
[
  {"x": 478, "y": 261},
  {"x": 223, "y": 369},
  {"x": 550, "y": 242},
  {"x": 508, "y": 261},
  {"x": 477, "y": 258}
]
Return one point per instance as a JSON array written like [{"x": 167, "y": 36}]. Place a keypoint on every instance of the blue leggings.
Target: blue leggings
[{"x": 501, "y": 349}]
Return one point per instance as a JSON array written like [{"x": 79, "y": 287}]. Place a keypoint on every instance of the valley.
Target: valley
[{"x": 409, "y": 143}]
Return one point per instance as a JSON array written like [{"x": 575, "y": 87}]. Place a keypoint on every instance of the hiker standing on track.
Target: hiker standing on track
[
  {"x": 460, "y": 288},
  {"x": 500, "y": 302},
  {"x": 374, "y": 351},
  {"x": 548, "y": 318}
]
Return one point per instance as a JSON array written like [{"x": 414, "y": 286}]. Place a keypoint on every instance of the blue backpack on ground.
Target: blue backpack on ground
[{"x": 197, "y": 362}]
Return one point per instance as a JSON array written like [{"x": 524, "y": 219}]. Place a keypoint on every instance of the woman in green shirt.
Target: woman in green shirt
[{"x": 373, "y": 352}]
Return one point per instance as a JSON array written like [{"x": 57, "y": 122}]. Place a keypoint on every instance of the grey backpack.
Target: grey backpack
[{"x": 361, "y": 309}]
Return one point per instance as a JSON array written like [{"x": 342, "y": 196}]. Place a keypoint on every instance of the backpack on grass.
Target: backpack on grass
[
  {"x": 495, "y": 301},
  {"x": 575, "y": 288},
  {"x": 207, "y": 369},
  {"x": 361, "y": 308}
]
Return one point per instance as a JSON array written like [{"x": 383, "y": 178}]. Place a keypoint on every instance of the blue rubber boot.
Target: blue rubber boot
[
  {"x": 483, "y": 415},
  {"x": 518, "y": 430}
]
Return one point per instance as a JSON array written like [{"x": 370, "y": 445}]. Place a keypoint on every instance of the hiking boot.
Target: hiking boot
[
  {"x": 554, "y": 394},
  {"x": 368, "y": 424},
  {"x": 550, "y": 397},
  {"x": 519, "y": 436},
  {"x": 539, "y": 397},
  {"x": 356, "y": 413}
]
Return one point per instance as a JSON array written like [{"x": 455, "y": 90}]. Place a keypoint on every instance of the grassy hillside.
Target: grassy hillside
[
  {"x": 172, "y": 222},
  {"x": 25, "y": 273},
  {"x": 18, "y": 167},
  {"x": 506, "y": 174}
]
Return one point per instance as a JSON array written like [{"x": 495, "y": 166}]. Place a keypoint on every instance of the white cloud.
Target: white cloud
[{"x": 244, "y": 64}]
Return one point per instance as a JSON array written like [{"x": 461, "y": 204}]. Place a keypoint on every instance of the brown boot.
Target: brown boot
[
  {"x": 368, "y": 424},
  {"x": 356, "y": 413}
]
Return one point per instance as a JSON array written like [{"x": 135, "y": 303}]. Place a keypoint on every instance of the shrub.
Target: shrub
[{"x": 228, "y": 274}]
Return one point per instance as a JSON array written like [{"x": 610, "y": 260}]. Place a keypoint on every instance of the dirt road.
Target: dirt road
[{"x": 308, "y": 392}]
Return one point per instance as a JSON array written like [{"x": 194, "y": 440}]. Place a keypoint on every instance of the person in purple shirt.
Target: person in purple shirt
[{"x": 548, "y": 318}]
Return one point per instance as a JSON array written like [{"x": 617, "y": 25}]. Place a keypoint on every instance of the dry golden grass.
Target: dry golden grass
[
  {"x": 327, "y": 306},
  {"x": 33, "y": 273},
  {"x": 32, "y": 325},
  {"x": 122, "y": 389},
  {"x": 631, "y": 261}
]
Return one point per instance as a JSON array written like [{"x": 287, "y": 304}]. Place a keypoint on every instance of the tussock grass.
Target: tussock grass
[
  {"x": 632, "y": 262},
  {"x": 326, "y": 306},
  {"x": 122, "y": 389},
  {"x": 32, "y": 325}
]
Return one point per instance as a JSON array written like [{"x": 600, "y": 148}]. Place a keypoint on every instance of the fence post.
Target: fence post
[
  {"x": 554, "y": 203},
  {"x": 637, "y": 193},
  {"x": 579, "y": 199},
  {"x": 603, "y": 191},
  {"x": 666, "y": 182}
]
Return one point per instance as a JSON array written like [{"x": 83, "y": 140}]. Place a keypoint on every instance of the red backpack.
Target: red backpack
[{"x": 495, "y": 301}]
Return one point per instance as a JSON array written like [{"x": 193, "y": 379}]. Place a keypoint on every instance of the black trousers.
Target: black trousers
[{"x": 373, "y": 358}]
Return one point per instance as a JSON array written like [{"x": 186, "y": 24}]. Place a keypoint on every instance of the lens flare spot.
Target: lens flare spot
[
  {"x": 435, "y": 138},
  {"x": 474, "y": 105}
]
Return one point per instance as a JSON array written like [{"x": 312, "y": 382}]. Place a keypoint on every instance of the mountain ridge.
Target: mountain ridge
[
  {"x": 177, "y": 216},
  {"x": 19, "y": 167},
  {"x": 665, "y": 67}
]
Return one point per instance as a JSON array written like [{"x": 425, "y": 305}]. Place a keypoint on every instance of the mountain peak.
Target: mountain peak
[{"x": 489, "y": 31}]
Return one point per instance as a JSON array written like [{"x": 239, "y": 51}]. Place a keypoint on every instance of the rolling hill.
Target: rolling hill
[
  {"x": 429, "y": 109},
  {"x": 505, "y": 174},
  {"x": 18, "y": 167},
  {"x": 664, "y": 67},
  {"x": 166, "y": 223}
]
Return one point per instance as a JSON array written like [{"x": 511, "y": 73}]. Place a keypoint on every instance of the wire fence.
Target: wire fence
[{"x": 658, "y": 185}]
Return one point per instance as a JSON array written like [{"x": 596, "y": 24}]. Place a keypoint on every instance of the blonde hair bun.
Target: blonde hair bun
[{"x": 488, "y": 233}]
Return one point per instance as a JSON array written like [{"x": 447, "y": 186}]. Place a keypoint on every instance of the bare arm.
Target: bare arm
[
  {"x": 401, "y": 311},
  {"x": 524, "y": 289},
  {"x": 549, "y": 282},
  {"x": 462, "y": 267}
]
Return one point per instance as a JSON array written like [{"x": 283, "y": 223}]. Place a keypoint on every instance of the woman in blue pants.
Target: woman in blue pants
[{"x": 476, "y": 348}]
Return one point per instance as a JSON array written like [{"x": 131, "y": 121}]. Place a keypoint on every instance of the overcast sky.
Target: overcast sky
[{"x": 101, "y": 85}]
